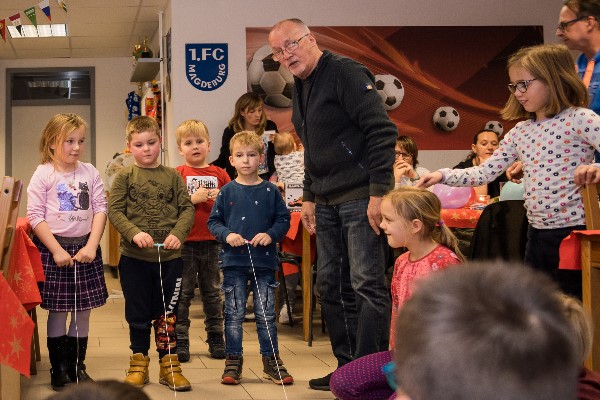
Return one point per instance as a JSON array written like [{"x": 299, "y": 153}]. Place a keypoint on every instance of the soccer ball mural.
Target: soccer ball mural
[
  {"x": 446, "y": 118},
  {"x": 269, "y": 79},
  {"x": 390, "y": 90},
  {"x": 494, "y": 126}
]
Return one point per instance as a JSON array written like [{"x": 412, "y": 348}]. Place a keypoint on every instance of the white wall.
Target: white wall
[
  {"x": 225, "y": 22},
  {"x": 112, "y": 87},
  {"x": 194, "y": 21}
]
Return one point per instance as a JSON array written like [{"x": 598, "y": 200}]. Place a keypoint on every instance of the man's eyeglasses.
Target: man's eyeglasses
[
  {"x": 562, "y": 26},
  {"x": 403, "y": 155},
  {"x": 521, "y": 86},
  {"x": 290, "y": 48}
]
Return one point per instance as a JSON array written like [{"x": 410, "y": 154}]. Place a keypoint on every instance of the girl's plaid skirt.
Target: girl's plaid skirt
[{"x": 59, "y": 290}]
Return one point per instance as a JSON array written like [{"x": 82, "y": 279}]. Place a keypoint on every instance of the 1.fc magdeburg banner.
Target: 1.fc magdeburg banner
[{"x": 206, "y": 65}]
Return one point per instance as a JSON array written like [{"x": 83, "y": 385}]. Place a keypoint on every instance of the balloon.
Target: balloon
[
  {"x": 452, "y": 197},
  {"x": 512, "y": 191}
]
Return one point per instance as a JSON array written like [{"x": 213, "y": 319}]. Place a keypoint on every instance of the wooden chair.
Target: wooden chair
[
  {"x": 296, "y": 260},
  {"x": 10, "y": 379},
  {"x": 9, "y": 209},
  {"x": 590, "y": 269},
  {"x": 501, "y": 232}
]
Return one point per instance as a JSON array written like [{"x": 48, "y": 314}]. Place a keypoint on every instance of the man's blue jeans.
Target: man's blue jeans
[
  {"x": 351, "y": 280},
  {"x": 235, "y": 286}
]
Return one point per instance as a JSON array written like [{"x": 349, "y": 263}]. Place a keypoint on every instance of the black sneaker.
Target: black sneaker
[
  {"x": 320, "y": 383},
  {"x": 233, "y": 370},
  {"x": 183, "y": 350},
  {"x": 216, "y": 345},
  {"x": 274, "y": 370}
]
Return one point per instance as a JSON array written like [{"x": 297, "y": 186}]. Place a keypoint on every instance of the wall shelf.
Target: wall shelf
[{"x": 145, "y": 69}]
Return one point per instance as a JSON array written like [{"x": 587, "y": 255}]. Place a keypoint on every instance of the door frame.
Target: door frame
[{"x": 10, "y": 103}]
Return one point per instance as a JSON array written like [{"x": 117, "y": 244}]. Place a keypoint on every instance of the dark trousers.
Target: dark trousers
[
  {"x": 542, "y": 254},
  {"x": 351, "y": 263},
  {"x": 201, "y": 264},
  {"x": 144, "y": 300}
]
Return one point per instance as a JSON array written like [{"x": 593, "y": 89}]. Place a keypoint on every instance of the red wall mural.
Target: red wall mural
[{"x": 460, "y": 68}]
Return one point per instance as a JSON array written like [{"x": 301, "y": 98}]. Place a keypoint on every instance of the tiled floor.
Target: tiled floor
[{"x": 108, "y": 357}]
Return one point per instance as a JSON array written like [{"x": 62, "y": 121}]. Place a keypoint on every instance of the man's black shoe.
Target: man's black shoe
[{"x": 320, "y": 383}]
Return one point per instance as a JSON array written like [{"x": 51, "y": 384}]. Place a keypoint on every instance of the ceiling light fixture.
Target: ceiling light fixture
[{"x": 30, "y": 31}]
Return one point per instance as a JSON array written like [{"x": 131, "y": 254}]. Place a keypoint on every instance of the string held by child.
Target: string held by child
[
  {"x": 66, "y": 207},
  {"x": 149, "y": 204}
]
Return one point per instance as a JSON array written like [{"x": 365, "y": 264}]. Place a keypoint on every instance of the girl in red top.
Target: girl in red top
[{"x": 411, "y": 219}]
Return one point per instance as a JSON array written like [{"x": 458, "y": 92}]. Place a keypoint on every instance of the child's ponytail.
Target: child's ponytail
[{"x": 448, "y": 239}]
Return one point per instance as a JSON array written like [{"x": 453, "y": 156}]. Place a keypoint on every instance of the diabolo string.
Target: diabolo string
[
  {"x": 158, "y": 246},
  {"x": 75, "y": 265},
  {"x": 265, "y": 318}
]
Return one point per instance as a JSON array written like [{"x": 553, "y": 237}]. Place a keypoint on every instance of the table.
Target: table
[
  {"x": 460, "y": 217},
  {"x": 26, "y": 267},
  {"x": 581, "y": 251},
  {"x": 302, "y": 245},
  {"x": 19, "y": 294}
]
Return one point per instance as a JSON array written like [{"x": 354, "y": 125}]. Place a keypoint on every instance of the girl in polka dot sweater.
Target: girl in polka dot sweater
[{"x": 559, "y": 136}]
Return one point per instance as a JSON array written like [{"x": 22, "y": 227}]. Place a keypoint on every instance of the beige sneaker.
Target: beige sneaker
[
  {"x": 284, "y": 317},
  {"x": 170, "y": 374},
  {"x": 137, "y": 374}
]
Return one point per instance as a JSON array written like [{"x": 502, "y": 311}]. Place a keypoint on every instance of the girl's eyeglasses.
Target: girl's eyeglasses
[{"x": 521, "y": 86}]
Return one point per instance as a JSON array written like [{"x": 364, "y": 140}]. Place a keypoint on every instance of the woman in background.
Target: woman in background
[
  {"x": 249, "y": 115},
  {"x": 406, "y": 172},
  {"x": 485, "y": 142}
]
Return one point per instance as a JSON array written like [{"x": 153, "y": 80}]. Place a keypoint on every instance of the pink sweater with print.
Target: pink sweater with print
[
  {"x": 66, "y": 201},
  {"x": 407, "y": 272}
]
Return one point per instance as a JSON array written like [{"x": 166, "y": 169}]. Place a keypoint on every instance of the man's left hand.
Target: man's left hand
[{"x": 374, "y": 213}]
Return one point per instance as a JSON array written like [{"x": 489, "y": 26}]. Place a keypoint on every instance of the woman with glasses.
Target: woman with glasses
[
  {"x": 485, "y": 142},
  {"x": 249, "y": 115},
  {"x": 406, "y": 172},
  {"x": 556, "y": 146}
]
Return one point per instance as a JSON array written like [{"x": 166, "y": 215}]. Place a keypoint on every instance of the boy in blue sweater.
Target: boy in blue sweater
[{"x": 249, "y": 217}]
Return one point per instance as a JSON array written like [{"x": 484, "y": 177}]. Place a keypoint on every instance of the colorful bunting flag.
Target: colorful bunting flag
[
  {"x": 16, "y": 330},
  {"x": 62, "y": 4},
  {"x": 16, "y": 20},
  {"x": 45, "y": 7},
  {"x": 30, "y": 12},
  {"x": 3, "y": 28}
]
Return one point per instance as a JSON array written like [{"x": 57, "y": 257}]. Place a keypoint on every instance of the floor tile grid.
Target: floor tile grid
[{"x": 108, "y": 356}]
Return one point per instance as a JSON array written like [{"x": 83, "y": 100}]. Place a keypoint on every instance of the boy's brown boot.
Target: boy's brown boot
[
  {"x": 274, "y": 370},
  {"x": 170, "y": 374},
  {"x": 137, "y": 374},
  {"x": 233, "y": 370}
]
